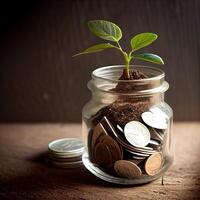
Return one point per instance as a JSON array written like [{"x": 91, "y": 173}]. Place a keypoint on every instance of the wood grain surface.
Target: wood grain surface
[
  {"x": 39, "y": 79},
  {"x": 25, "y": 175}
]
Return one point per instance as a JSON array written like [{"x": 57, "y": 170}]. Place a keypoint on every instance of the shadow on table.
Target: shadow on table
[
  {"x": 77, "y": 175},
  {"x": 37, "y": 175}
]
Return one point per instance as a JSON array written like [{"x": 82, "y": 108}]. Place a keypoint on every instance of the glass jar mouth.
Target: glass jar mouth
[
  {"x": 113, "y": 72},
  {"x": 106, "y": 79}
]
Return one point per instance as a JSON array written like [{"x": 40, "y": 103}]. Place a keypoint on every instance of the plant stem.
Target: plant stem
[
  {"x": 126, "y": 68},
  {"x": 127, "y": 59}
]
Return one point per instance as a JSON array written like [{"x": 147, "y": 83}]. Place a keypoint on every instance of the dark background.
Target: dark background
[{"x": 40, "y": 81}]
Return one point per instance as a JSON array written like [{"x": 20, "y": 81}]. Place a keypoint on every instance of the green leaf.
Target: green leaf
[
  {"x": 149, "y": 57},
  {"x": 141, "y": 40},
  {"x": 105, "y": 30},
  {"x": 96, "y": 48}
]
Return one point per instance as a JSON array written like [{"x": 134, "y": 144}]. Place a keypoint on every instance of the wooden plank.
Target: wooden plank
[
  {"x": 24, "y": 174},
  {"x": 39, "y": 80}
]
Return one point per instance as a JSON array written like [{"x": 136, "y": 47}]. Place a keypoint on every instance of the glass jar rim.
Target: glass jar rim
[
  {"x": 101, "y": 72},
  {"x": 106, "y": 78}
]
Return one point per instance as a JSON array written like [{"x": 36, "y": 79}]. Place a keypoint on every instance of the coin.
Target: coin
[
  {"x": 138, "y": 154},
  {"x": 156, "y": 135},
  {"x": 129, "y": 147},
  {"x": 107, "y": 152},
  {"x": 64, "y": 159},
  {"x": 159, "y": 111},
  {"x": 153, "y": 164},
  {"x": 156, "y": 145},
  {"x": 136, "y": 161},
  {"x": 120, "y": 128},
  {"x": 66, "y": 154},
  {"x": 154, "y": 120},
  {"x": 97, "y": 132},
  {"x": 127, "y": 169},
  {"x": 89, "y": 144},
  {"x": 103, "y": 156},
  {"x": 114, "y": 147},
  {"x": 154, "y": 142},
  {"x": 108, "y": 126},
  {"x": 66, "y": 164},
  {"x": 137, "y": 134},
  {"x": 66, "y": 146},
  {"x": 138, "y": 157}
]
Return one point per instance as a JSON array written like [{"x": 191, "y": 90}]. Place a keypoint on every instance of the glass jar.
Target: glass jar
[{"x": 127, "y": 126}]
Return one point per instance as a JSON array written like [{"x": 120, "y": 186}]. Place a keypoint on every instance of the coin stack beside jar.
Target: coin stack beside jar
[
  {"x": 133, "y": 150},
  {"x": 65, "y": 153}
]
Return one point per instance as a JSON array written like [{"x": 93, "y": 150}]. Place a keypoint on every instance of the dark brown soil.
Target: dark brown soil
[
  {"x": 124, "y": 109},
  {"x": 134, "y": 75},
  {"x": 121, "y": 112},
  {"x": 129, "y": 87}
]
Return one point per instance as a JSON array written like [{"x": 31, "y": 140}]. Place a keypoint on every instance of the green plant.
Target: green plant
[{"x": 111, "y": 32}]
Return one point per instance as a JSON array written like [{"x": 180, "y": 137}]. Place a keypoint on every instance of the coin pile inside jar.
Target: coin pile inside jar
[
  {"x": 130, "y": 151},
  {"x": 65, "y": 153}
]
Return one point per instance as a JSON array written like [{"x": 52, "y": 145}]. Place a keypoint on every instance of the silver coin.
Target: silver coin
[
  {"x": 137, "y": 134},
  {"x": 66, "y": 155},
  {"x": 154, "y": 120},
  {"x": 149, "y": 152},
  {"x": 129, "y": 147},
  {"x": 156, "y": 110},
  {"x": 108, "y": 126},
  {"x": 66, "y": 146},
  {"x": 162, "y": 132},
  {"x": 138, "y": 154},
  {"x": 120, "y": 128},
  {"x": 154, "y": 142},
  {"x": 124, "y": 143},
  {"x": 67, "y": 164},
  {"x": 64, "y": 159},
  {"x": 156, "y": 135},
  {"x": 138, "y": 157}
]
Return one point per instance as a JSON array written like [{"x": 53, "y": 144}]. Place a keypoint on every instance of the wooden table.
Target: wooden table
[{"x": 24, "y": 174}]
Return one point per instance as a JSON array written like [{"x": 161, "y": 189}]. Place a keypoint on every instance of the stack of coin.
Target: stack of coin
[
  {"x": 65, "y": 153},
  {"x": 133, "y": 150}
]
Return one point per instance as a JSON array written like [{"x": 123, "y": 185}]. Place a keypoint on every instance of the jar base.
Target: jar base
[{"x": 123, "y": 181}]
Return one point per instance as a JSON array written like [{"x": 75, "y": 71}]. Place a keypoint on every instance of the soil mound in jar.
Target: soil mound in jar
[{"x": 124, "y": 109}]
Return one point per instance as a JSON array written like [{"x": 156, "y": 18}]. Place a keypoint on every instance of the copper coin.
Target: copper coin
[
  {"x": 103, "y": 156},
  {"x": 93, "y": 138},
  {"x": 89, "y": 143},
  {"x": 153, "y": 164},
  {"x": 97, "y": 132},
  {"x": 127, "y": 169},
  {"x": 114, "y": 147}
]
